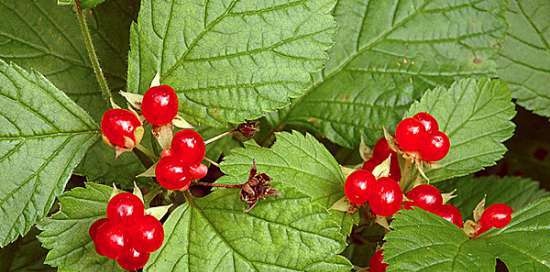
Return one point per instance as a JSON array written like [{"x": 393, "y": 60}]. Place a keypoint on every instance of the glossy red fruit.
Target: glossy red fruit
[
  {"x": 386, "y": 197},
  {"x": 95, "y": 226},
  {"x": 497, "y": 215},
  {"x": 450, "y": 213},
  {"x": 426, "y": 196},
  {"x": 198, "y": 171},
  {"x": 428, "y": 121},
  {"x": 395, "y": 171},
  {"x": 147, "y": 234},
  {"x": 376, "y": 263},
  {"x": 381, "y": 150},
  {"x": 410, "y": 134},
  {"x": 436, "y": 147},
  {"x": 110, "y": 240},
  {"x": 118, "y": 127},
  {"x": 357, "y": 187},
  {"x": 125, "y": 208},
  {"x": 173, "y": 174},
  {"x": 131, "y": 259},
  {"x": 188, "y": 146},
  {"x": 159, "y": 105}
]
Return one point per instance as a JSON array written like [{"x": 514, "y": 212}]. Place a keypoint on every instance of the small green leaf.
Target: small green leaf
[
  {"x": 230, "y": 60},
  {"x": 476, "y": 115},
  {"x": 524, "y": 61},
  {"x": 24, "y": 255},
  {"x": 43, "y": 137},
  {"x": 514, "y": 191},
  {"x": 286, "y": 233},
  {"x": 65, "y": 234}
]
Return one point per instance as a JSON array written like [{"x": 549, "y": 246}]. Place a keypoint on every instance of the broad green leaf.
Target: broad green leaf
[
  {"x": 514, "y": 191},
  {"x": 389, "y": 52},
  {"x": 476, "y": 115},
  {"x": 65, "y": 234},
  {"x": 524, "y": 60},
  {"x": 24, "y": 255},
  {"x": 287, "y": 233},
  {"x": 230, "y": 60},
  {"x": 43, "y": 137}
]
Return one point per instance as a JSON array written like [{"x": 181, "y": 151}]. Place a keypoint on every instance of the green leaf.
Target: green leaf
[
  {"x": 524, "y": 61},
  {"x": 230, "y": 60},
  {"x": 44, "y": 135},
  {"x": 389, "y": 52},
  {"x": 24, "y": 255},
  {"x": 287, "y": 233},
  {"x": 476, "y": 115},
  {"x": 421, "y": 241},
  {"x": 84, "y": 3},
  {"x": 65, "y": 234},
  {"x": 514, "y": 191}
]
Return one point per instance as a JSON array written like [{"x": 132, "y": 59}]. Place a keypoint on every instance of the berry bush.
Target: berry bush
[{"x": 274, "y": 135}]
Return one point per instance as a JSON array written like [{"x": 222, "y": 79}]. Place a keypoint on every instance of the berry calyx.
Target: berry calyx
[
  {"x": 119, "y": 128},
  {"x": 428, "y": 121},
  {"x": 95, "y": 226},
  {"x": 109, "y": 240},
  {"x": 357, "y": 187},
  {"x": 376, "y": 262},
  {"x": 159, "y": 105},
  {"x": 125, "y": 208},
  {"x": 173, "y": 174},
  {"x": 147, "y": 234},
  {"x": 450, "y": 213},
  {"x": 497, "y": 215},
  {"x": 188, "y": 146},
  {"x": 436, "y": 147},
  {"x": 386, "y": 197},
  {"x": 410, "y": 134},
  {"x": 131, "y": 259},
  {"x": 426, "y": 196}
]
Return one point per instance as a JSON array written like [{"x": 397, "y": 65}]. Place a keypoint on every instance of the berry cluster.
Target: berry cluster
[
  {"x": 127, "y": 235},
  {"x": 497, "y": 216},
  {"x": 429, "y": 198},
  {"x": 181, "y": 164},
  {"x": 420, "y": 134},
  {"x": 384, "y": 195},
  {"x": 381, "y": 152}
]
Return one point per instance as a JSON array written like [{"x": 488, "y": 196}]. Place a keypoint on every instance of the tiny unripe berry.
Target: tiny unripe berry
[
  {"x": 376, "y": 263},
  {"x": 125, "y": 208},
  {"x": 386, "y": 197},
  {"x": 426, "y": 196},
  {"x": 436, "y": 147},
  {"x": 188, "y": 146},
  {"x": 357, "y": 187},
  {"x": 118, "y": 127},
  {"x": 173, "y": 174},
  {"x": 410, "y": 134},
  {"x": 428, "y": 121},
  {"x": 159, "y": 105}
]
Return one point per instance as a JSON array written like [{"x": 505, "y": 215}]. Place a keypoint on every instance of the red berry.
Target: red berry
[
  {"x": 450, "y": 213},
  {"x": 428, "y": 121},
  {"x": 198, "y": 171},
  {"x": 173, "y": 174},
  {"x": 381, "y": 150},
  {"x": 386, "y": 197},
  {"x": 118, "y": 126},
  {"x": 125, "y": 208},
  {"x": 436, "y": 147},
  {"x": 147, "y": 234},
  {"x": 376, "y": 263},
  {"x": 410, "y": 134},
  {"x": 357, "y": 186},
  {"x": 188, "y": 146},
  {"x": 497, "y": 215},
  {"x": 131, "y": 259},
  {"x": 159, "y": 105},
  {"x": 426, "y": 196},
  {"x": 95, "y": 226},
  {"x": 395, "y": 171},
  {"x": 110, "y": 240}
]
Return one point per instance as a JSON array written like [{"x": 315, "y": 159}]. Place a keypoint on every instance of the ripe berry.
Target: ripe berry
[
  {"x": 495, "y": 216},
  {"x": 198, "y": 171},
  {"x": 132, "y": 259},
  {"x": 147, "y": 234},
  {"x": 410, "y": 134},
  {"x": 381, "y": 150},
  {"x": 395, "y": 171},
  {"x": 436, "y": 147},
  {"x": 159, "y": 105},
  {"x": 173, "y": 174},
  {"x": 357, "y": 187},
  {"x": 426, "y": 197},
  {"x": 125, "y": 208},
  {"x": 386, "y": 197},
  {"x": 428, "y": 121},
  {"x": 376, "y": 263},
  {"x": 109, "y": 240},
  {"x": 95, "y": 226},
  {"x": 118, "y": 127},
  {"x": 450, "y": 213},
  {"x": 188, "y": 146}
]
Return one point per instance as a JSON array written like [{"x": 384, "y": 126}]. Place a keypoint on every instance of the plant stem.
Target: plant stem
[
  {"x": 212, "y": 162},
  {"x": 103, "y": 85},
  {"x": 227, "y": 186},
  {"x": 215, "y": 138}
]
